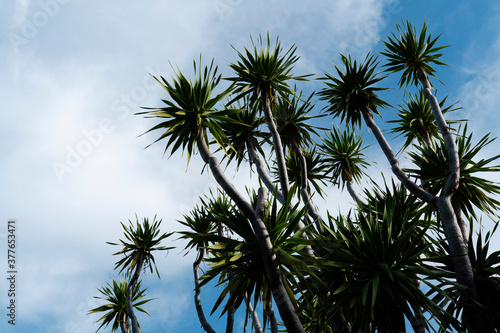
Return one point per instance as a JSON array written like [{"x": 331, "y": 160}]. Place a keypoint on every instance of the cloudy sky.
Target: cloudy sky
[{"x": 74, "y": 72}]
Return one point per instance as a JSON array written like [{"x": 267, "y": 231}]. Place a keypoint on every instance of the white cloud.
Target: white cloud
[
  {"x": 20, "y": 12},
  {"x": 72, "y": 87}
]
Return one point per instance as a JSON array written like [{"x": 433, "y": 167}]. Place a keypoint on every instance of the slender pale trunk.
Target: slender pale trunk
[
  {"x": 454, "y": 162},
  {"x": 287, "y": 311},
  {"x": 280, "y": 294},
  {"x": 306, "y": 198},
  {"x": 418, "y": 322},
  {"x": 462, "y": 266},
  {"x": 197, "y": 299},
  {"x": 231, "y": 310},
  {"x": 254, "y": 158},
  {"x": 311, "y": 211},
  {"x": 271, "y": 316},
  {"x": 266, "y": 180},
  {"x": 278, "y": 147},
  {"x": 124, "y": 325},
  {"x": 304, "y": 187},
  {"x": 130, "y": 292},
  {"x": 454, "y": 232},
  {"x": 270, "y": 186},
  {"x": 457, "y": 208},
  {"x": 352, "y": 192},
  {"x": 255, "y": 317},
  {"x": 393, "y": 160}
]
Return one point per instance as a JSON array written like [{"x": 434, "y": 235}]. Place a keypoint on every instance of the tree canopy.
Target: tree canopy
[{"x": 402, "y": 259}]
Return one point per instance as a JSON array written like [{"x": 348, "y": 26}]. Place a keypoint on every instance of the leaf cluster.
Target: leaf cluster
[
  {"x": 474, "y": 192},
  {"x": 190, "y": 109},
  {"x": 264, "y": 68},
  {"x": 115, "y": 293},
  {"x": 410, "y": 52},
  {"x": 141, "y": 239},
  {"x": 353, "y": 90}
]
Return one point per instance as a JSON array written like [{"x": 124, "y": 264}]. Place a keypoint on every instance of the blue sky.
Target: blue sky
[{"x": 75, "y": 72}]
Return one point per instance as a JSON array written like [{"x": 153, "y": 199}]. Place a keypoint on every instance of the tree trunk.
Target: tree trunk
[
  {"x": 270, "y": 185},
  {"x": 353, "y": 194},
  {"x": 278, "y": 147},
  {"x": 197, "y": 300},
  {"x": 255, "y": 317},
  {"x": 231, "y": 310},
  {"x": 306, "y": 198},
  {"x": 455, "y": 232},
  {"x": 304, "y": 187},
  {"x": 457, "y": 208},
  {"x": 130, "y": 290},
  {"x": 287, "y": 311},
  {"x": 254, "y": 158},
  {"x": 454, "y": 163},
  {"x": 272, "y": 317},
  {"x": 462, "y": 266},
  {"x": 393, "y": 160},
  {"x": 124, "y": 325}
]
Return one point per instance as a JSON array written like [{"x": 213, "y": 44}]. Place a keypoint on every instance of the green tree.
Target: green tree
[
  {"x": 343, "y": 159},
  {"x": 115, "y": 311},
  {"x": 199, "y": 222},
  {"x": 141, "y": 240},
  {"x": 357, "y": 272},
  {"x": 416, "y": 121},
  {"x": 191, "y": 111},
  {"x": 414, "y": 55}
]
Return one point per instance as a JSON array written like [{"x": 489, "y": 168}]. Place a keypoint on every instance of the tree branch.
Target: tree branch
[
  {"x": 393, "y": 160},
  {"x": 278, "y": 147},
  {"x": 197, "y": 300},
  {"x": 304, "y": 186},
  {"x": 254, "y": 158},
  {"x": 130, "y": 289},
  {"x": 287, "y": 310}
]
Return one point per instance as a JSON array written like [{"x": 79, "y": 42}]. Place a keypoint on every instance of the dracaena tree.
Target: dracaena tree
[
  {"x": 293, "y": 117},
  {"x": 237, "y": 261},
  {"x": 199, "y": 222},
  {"x": 343, "y": 159},
  {"x": 141, "y": 240},
  {"x": 415, "y": 120},
  {"x": 353, "y": 95},
  {"x": 414, "y": 54},
  {"x": 115, "y": 311},
  {"x": 263, "y": 75},
  {"x": 357, "y": 272},
  {"x": 192, "y": 114}
]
